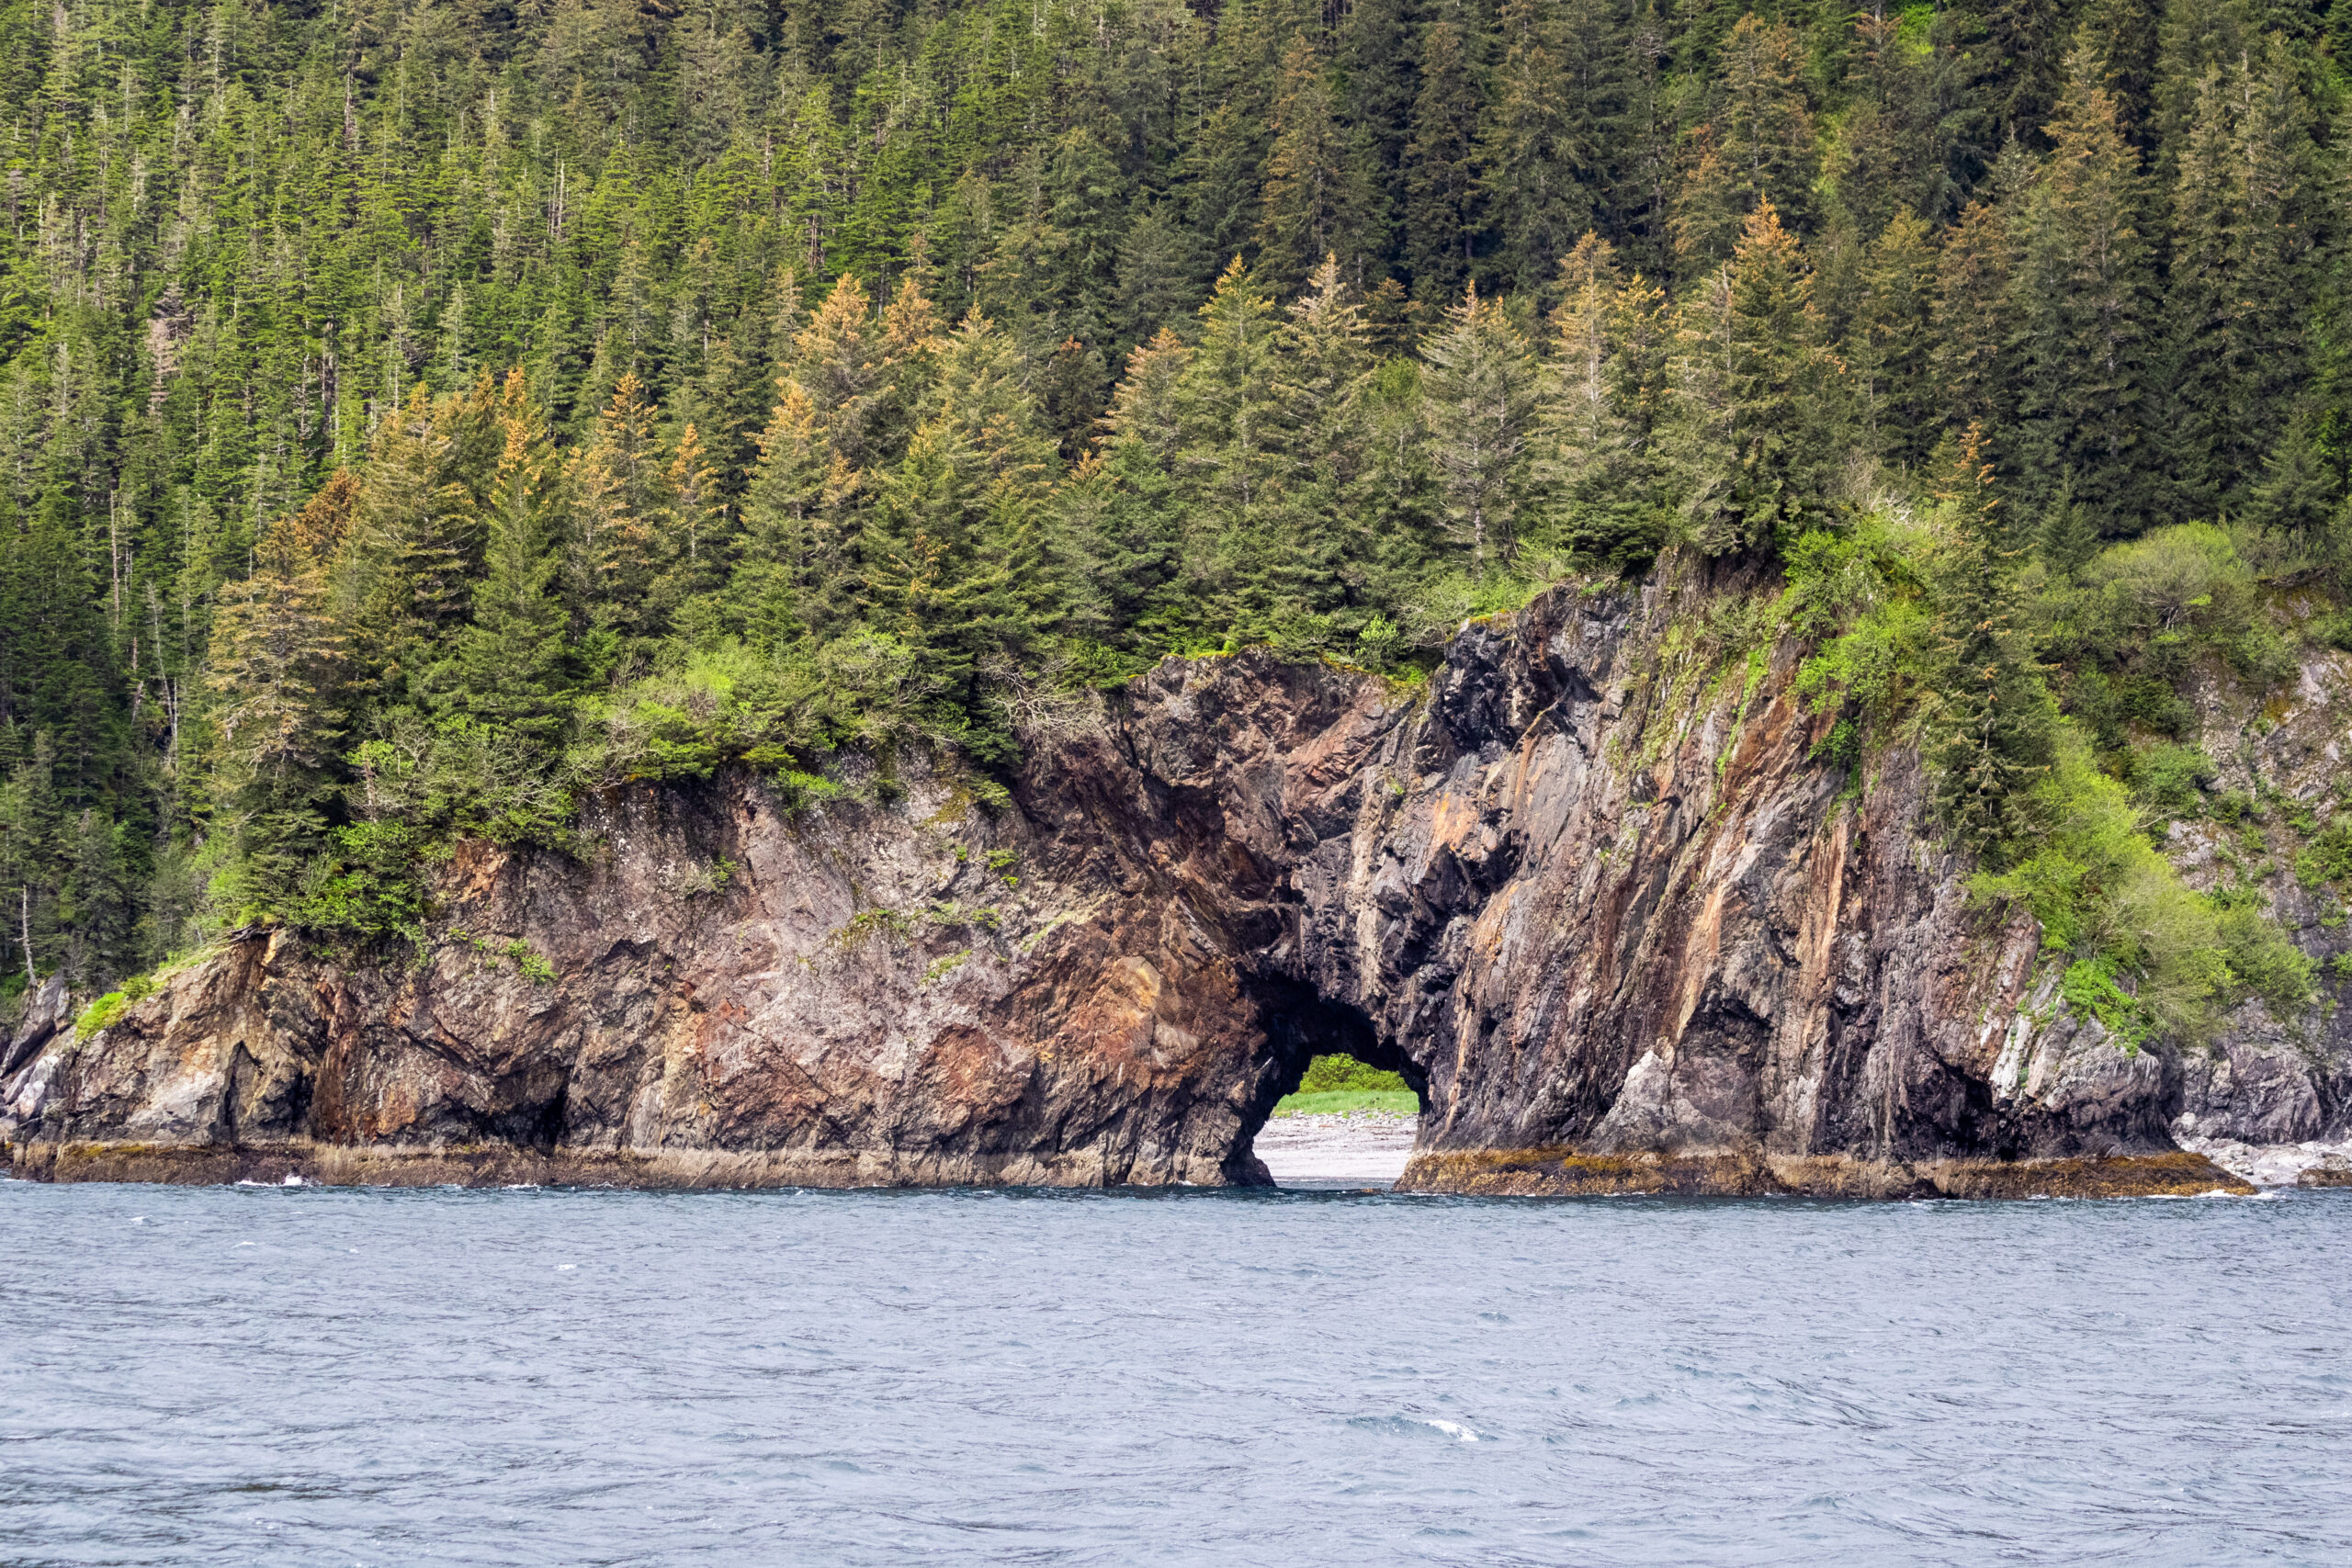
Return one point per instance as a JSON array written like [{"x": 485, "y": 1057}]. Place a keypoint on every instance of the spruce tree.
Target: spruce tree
[
  {"x": 614, "y": 488},
  {"x": 277, "y": 662},
  {"x": 1990, "y": 737},
  {"x": 1602, "y": 391},
  {"x": 1766, "y": 130},
  {"x": 1893, "y": 153},
  {"x": 2069, "y": 535},
  {"x": 838, "y": 361},
  {"x": 1760, "y": 398},
  {"x": 2079, "y": 308},
  {"x": 1532, "y": 154},
  {"x": 1478, "y": 400},
  {"x": 1378, "y": 83},
  {"x": 2244, "y": 222},
  {"x": 1708, "y": 206},
  {"x": 509, "y": 670},
  {"x": 1315, "y": 201},
  {"x": 1229, "y": 465},
  {"x": 1894, "y": 339},
  {"x": 957, "y": 550},
  {"x": 1971, "y": 329},
  {"x": 1441, "y": 177},
  {"x": 1317, "y": 541},
  {"x": 1128, "y": 506},
  {"x": 793, "y": 576}
]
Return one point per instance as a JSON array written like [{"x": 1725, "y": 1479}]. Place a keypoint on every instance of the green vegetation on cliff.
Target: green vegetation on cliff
[{"x": 416, "y": 415}]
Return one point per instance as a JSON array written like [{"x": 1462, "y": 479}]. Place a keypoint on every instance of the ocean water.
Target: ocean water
[{"x": 339, "y": 1377}]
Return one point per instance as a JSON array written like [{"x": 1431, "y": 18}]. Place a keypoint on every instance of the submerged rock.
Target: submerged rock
[{"x": 1593, "y": 900}]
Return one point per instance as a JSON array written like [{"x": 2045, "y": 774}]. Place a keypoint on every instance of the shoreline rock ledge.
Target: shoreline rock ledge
[{"x": 1597, "y": 906}]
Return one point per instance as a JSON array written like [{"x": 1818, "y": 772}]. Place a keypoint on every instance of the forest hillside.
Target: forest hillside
[{"x": 418, "y": 415}]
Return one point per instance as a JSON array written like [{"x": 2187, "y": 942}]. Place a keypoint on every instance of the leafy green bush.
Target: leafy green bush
[
  {"x": 2168, "y": 780},
  {"x": 2333, "y": 629},
  {"x": 531, "y": 965},
  {"x": 2131, "y": 626},
  {"x": 372, "y": 886},
  {"x": 2091, "y": 989},
  {"x": 1859, "y": 595},
  {"x": 2119, "y": 913},
  {"x": 1332, "y": 1074},
  {"x": 2327, "y": 858},
  {"x": 2261, "y": 961}
]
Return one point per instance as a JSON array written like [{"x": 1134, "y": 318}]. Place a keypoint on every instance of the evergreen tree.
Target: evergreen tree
[
  {"x": 2240, "y": 286},
  {"x": 794, "y": 579},
  {"x": 1893, "y": 340},
  {"x": 1478, "y": 401},
  {"x": 1893, "y": 151},
  {"x": 956, "y": 551},
  {"x": 1317, "y": 539},
  {"x": 1378, "y": 73},
  {"x": 1768, "y": 140},
  {"x": 2069, "y": 535},
  {"x": 1532, "y": 151},
  {"x": 1971, "y": 328},
  {"x": 1602, "y": 393},
  {"x": 510, "y": 667},
  {"x": 615, "y": 490},
  {"x": 1990, "y": 738},
  {"x": 1760, "y": 398},
  {"x": 1314, "y": 197},
  {"x": 277, "y": 662},
  {"x": 418, "y": 536},
  {"x": 838, "y": 361},
  {"x": 1126, "y": 521},
  {"x": 1228, "y": 413},
  {"x": 1440, "y": 179},
  {"x": 1708, "y": 206},
  {"x": 2078, "y": 311}
]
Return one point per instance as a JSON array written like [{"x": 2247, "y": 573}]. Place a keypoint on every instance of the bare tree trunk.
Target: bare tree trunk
[{"x": 32, "y": 981}]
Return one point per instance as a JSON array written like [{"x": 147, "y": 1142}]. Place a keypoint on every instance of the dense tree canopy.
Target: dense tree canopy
[{"x": 416, "y": 412}]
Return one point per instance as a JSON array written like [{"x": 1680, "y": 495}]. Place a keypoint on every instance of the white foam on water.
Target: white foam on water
[
  {"x": 1451, "y": 1428},
  {"x": 562, "y": 1266}
]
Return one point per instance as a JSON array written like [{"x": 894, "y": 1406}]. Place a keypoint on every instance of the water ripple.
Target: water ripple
[{"x": 338, "y": 1377}]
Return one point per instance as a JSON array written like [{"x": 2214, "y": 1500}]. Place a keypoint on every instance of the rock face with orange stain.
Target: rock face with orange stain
[{"x": 1586, "y": 890}]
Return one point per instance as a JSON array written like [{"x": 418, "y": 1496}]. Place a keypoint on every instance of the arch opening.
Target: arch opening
[{"x": 1345, "y": 1139}]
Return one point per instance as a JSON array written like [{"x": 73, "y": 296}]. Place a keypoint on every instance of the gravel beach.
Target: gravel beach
[{"x": 1363, "y": 1148}]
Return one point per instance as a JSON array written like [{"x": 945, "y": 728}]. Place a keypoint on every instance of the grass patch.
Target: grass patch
[
  {"x": 100, "y": 1013},
  {"x": 1342, "y": 1102}
]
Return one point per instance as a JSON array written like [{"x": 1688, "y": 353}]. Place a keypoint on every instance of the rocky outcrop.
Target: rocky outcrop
[
  {"x": 2280, "y": 755},
  {"x": 1585, "y": 889}
]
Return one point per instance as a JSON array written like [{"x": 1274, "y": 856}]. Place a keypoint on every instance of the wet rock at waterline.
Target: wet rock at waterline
[{"x": 1609, "y": 918}]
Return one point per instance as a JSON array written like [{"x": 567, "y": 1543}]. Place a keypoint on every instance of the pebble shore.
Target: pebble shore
[{"x": 1365, "y": 1147}]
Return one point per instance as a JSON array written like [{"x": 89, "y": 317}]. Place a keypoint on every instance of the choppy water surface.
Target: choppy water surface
[{"x": 344, "y": 1377}]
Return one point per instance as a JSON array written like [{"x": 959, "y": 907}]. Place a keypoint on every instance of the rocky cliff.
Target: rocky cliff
[{"x": 1585, "y": 889}]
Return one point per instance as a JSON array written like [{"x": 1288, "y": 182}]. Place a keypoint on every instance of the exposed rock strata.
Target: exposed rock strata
[{"x": 1586, "y": 890}]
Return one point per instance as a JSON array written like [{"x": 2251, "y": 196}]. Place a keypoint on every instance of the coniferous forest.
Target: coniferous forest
[{"x": 417, "y": 413}]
